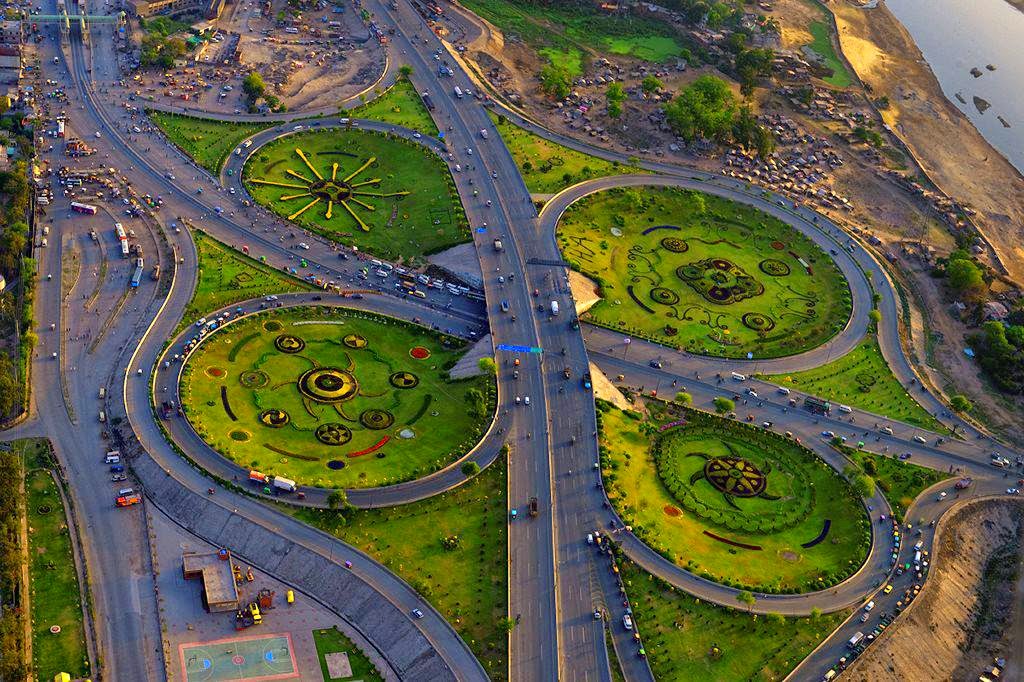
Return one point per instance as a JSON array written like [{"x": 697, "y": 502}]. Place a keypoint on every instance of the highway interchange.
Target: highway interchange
[{"x": 556, "y": 580}]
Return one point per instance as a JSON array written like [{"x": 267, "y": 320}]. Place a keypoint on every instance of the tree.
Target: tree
[
  {"x": 965, "y": 278},
  {"x": 9, "y": 388},
  {"x": 864, "y": 485},
  {"x": 615, "y": 95},
  {"x": 651, "y": 84},
  {"x": 470, "y": 469},
  {"x": 508, "y": 624},
  {"x": 5, "y": 104},
  {"x": 815, "y": 613},
  {"x": 405, "y": 70},
  {"x": 253, "y": 86},
  {"x": 684, "y": 398},
  {"x": 775, "y": 618},
  {"x": 875, "y": 316},
  {"x": 960, "y": 403},
  {"x": 704, "y": 109},
  {"x": 752, "y": 65},
  {"x": 487, "y": 366},
  {"x": 747, "y": 598},
  {"x": 337, "y": 499},
  {"x": 555, "y": 81},
  {"x": 723, "y": 405}
]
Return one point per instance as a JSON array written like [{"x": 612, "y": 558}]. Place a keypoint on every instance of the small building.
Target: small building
[
  {"x": 215, "y": 570},
  {"x": 12, "y": 32},
  {"x": 994, "y": 310}
]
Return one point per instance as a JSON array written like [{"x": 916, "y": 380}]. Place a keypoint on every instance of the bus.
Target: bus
[
  {"x": 124, "y": 249},
  {"x": 119, "y": 230},
  {"x": 83, "y": 208},
  {"x": 137, "y": 277},
  {"x": 817, "y": 405}
]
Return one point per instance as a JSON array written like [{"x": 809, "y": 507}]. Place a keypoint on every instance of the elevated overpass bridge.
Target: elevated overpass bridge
[{"x": 79, "y": 15}]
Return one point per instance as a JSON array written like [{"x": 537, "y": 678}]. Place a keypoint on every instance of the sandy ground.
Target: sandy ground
[
  {"x": 584, "y": 292},
  {"x": 966, "y": 166},
  {"x": 933, "y": 639},
  {"x": 469, "y": 364},
  {"x": 605, "y": 389}
]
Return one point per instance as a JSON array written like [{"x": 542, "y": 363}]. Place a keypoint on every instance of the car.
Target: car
[
  {"x": 518, "y": 400},
  {"x": 920, "y": 439},
  {"x": 504, "y": 306},
  {"x": 597, "y": 614},
  {"x": 513, "y": 514},
  {"x": 941, "y": 496},
  {"x": 656, "y": 364},
  {"x": 870, "y": 605},
  {"x": 516, "y": 362},
  {"x": 888, "y": 589},
  {"x": 752, "y": 393},
  {"x": 567, "y": 373},
  {"x": 494, "y": 174},
  {"x": 864, "y": 618},
  {"x": 1013, "y": 491},
  {"x": 417, "y": 613},
  {"x": 526, "y": 400},
  {"x": 905, "y": 455},
  {"x": 297, "y": 128},
  {"x": 416, "y": 136},
  {"x": 766, "y": 425},
  {"x": 501, "y": 279},
  {"x": 828, "y": 434},
  {"x": 627, "y": 622},
  {"x": 886, "y": 430}
]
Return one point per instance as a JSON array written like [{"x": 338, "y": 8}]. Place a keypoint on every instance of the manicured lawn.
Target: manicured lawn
[
  {"x": 670, "y": 486},
  {"x": 228, "y": 276},
  {"x": 900, "y": 481},
  {"x": 467, "y": 584},
  {"x": 334, "y": 397},
  {"x": 400, "y": 104},
  {"x": 681, "y": 633},
  {"x": 207, "y": 141},
  {"x": 548, "y": 167},
  {"x": 580, "y": 27},
  {"x": 862, "y": 379},
  {"x": 702, "y": 273},
  {"x": 389, "y": 196},
  {"x": 331, "y": 641},
  {"x": 55, "y": 597}
]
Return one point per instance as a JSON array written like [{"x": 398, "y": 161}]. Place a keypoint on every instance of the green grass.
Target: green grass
[
  {"x": 55, "y": 597},
  {"x": 821, "y": 31},
  {"x": 680, "y": 633},
  {"x": 580, "y": 28},
  {"x": 165, "y": 26},
  {"x": 548, "y": 167},
  {"x": 425, "y": 427},
  {"x": 228, "y": 276},
  {"x": 570, "y": 59},
  {"x": 900, "y": 481},
  {"x": 208, "y": 142},
  {"x": 467, "y": 585},
  {"x": 400, "y": 104},
  {"x": 862, "y": 379},
  {"x": 666, "y": 286},
  {"x": 331, "y": 641},
  {"x": 809, "y": 492},
  {"x": 428, "y": 218}
]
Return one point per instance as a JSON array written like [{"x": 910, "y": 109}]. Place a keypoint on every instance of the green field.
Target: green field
[
  {"x": 334, "y": 397},
  {"x": 465, "y": 579},
  {"x": 227, "y": 276},
  {"x": 331, "y": 640},
  {"x": 862, "y": 379},
  {"x": 164, "y": 26},
  {"x": 702, "y": 273},
  {"x": 580, "y": 28},
  {"x": 821, "y": 31},
  {"x": 548, "y": 167},
  {"x": 389, "y": 196},
  {"x": 687, "y": 639},
  {"x": 900, "y": 481},
  {"x": 208, "y": 142},
  {"x": 400, "y": 104},
  {"x": 738, "y": 505},
  {"x": 55, "y": 592}
]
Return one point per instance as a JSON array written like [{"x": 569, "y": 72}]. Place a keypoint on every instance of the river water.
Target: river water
[{"x": 956, "y": 36}]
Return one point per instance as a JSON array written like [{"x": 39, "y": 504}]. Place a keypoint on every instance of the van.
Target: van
[
  {"x": 117, "y": 468},
  {"x": 783, "y": 390},
  {"x": 919, "y": 545},
  {"x": 739, "y": 377},
  {"x": 870, "y": 605},
  {"x": 43, "y": 243},
  {"x": 103, "y": 416},
  {"x": 845, "y": 408},
  {"x": 112, "y": 458},
  {"x": 830, "y": 674},
  {"x": 590, "y": 538},
  {"x": 376, "y": 263},
  {"x": 103, "y": 392},
  {"x": 124, "y": 491},
  {"x": 887, "y": 430},
  {"x": 917, "y": 558}
]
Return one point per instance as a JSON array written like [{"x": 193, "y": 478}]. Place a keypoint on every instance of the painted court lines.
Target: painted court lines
[{"x": 242, "y": 659}]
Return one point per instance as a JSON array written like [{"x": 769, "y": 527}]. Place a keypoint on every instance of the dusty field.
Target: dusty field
[
  {"x": 955, "y": 627},
  {"x": 966, "y": 167}
]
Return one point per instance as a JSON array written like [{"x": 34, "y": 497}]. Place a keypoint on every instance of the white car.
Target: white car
[
  {"x": 526, "y": 400},
  {"x": 627, "y": 622}
]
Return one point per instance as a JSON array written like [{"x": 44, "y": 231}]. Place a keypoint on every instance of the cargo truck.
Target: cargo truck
[{"x": 285, "y": 484}]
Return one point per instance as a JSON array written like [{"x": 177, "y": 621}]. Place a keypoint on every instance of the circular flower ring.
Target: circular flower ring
[
  {"x": 376, "y": 420},
  {"x": 664, "y": 296},
  {"x": 273, "y": 326},
  {"x": 774, "y": 268},
  {"x": 759, "y": 322},
  {"x": 286, "y": 343},
  {"x": 253, "y": 379},
  {"x": 404, "y": 380},
  {"x": 866, "y": 379},
  {"x": 419, "y": 352},
  {"x": 215, "y": 372},
  {"x": 721, "y": 264},
  {"x": 328, "y": 385},
  {"x": 335, "y": 464},
  {"x": 675, "y": 245},
  {"x": 240, "y": 436},
  {"x": 333, "y": 434},
  {"x": 735, "y": 476},
  {"x": 275, "y": 419},
  {"x": 778, "y": 246},
  {"x": 355, "y": 341},
  {"x": 688, "y": 272}
]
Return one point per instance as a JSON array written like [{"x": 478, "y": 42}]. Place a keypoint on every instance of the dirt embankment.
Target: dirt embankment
[
  {"x": 958, "y": 624},
  {"x": 964, "y": 165}
]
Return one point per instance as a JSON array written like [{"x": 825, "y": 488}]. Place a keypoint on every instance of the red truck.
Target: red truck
[{"x": 127, "y": 500}]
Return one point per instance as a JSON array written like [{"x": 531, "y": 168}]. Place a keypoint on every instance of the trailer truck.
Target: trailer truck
[{"x": 285, "y": 484}]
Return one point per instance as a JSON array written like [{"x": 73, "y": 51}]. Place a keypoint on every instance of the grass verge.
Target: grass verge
[
  {"x": 900, "y": 481},
  {"x": 400, "y": 104},
  {"x": 465, "y": 579},
  {"x": 331, "y": 641},
  {"x": 207, "y": 141}
]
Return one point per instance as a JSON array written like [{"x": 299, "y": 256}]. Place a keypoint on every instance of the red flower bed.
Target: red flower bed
[
  {"x": 373, "y": 448},
  {"x": 420, "y": 353}
]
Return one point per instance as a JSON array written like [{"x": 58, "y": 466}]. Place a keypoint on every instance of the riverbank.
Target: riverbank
[{"x": 964, "y": 165}]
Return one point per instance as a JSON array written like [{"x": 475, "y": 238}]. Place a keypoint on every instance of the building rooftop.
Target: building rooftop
[{"x": 215, "y": 571}]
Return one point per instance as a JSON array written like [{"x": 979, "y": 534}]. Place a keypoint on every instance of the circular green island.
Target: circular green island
[
  {"x": 381, "y": 193},
  {"x": 334, "y": 397},
  {"x": 702, "y": 273},
  {"x": 736, "y": 504}
]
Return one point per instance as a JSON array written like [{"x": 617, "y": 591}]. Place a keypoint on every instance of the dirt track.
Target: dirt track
[{"x": 956, "y": 626}]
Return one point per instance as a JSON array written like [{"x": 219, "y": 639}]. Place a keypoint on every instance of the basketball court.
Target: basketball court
[{"x": 245, "y": 659}]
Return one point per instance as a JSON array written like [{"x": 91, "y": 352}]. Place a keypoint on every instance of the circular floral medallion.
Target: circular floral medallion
[
  {"x": 735, "y": 476},
  {"x": 273, "y": 326},
  {"x": 239, "y": 436},
  {"x": 286, "y": 343},
  {"x": 759, "y": 322},
  {"x": 376, "y": 419},
  {"x": 328, "y": 385},
  {"x": 404, "y": 380},
  {"x": 333, "y": 434},
  {"x": 253, "y": 378},
  {"x": 664, "y": 296},
  {"x": 419, "y": 352},
  {"x": 773, "y": 267},
  {"x": 336, "y": 464},
  {"x": 675, "y": 245},
  {"x": 275, "y": 419},
  {"x": 355, "y": 341}
]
